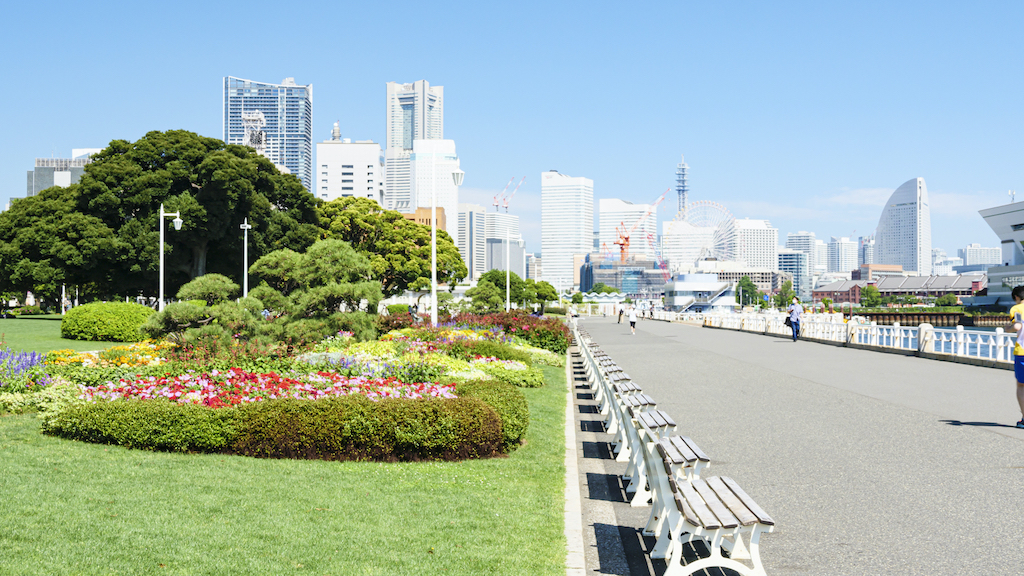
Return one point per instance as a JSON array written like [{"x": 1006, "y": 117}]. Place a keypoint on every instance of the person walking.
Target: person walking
[
  {"x": 795, "y": 309},
  {"x": 621, "y": 312},
  {"x": 1017, "y": 323},
  {"x": 632, "y": 320}
]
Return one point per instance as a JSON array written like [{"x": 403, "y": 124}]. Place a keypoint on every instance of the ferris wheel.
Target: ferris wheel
[{"x": 712, "y": 231}]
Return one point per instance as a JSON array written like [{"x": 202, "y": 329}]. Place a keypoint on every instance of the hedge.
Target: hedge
[
  {"x": 346, "y": 428},
  {"x": 469, "y": 349},
  {"x": 508, "y": 402},
  {"x": 106, "y": 321}
]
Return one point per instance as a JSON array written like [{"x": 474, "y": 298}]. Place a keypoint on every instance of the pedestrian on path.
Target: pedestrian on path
[
  {"x": 794, "y": 316},
  {"x": 621, "y": 312},
  {"x": 1017, "y": 319},
  {"x": 632, "y": 320}
]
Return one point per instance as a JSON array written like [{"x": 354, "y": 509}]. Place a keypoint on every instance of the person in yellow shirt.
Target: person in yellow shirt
[{"x": 1017, "y": 324}]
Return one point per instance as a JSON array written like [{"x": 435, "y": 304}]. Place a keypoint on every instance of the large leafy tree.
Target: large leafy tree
[
  {"x": 869, "y": 296},
  {"x": 519, "y": 293},
  {"x": 398, "y": 249},
  {"x": 748, "y": 292},
  {"x": 214, "y": 186}
]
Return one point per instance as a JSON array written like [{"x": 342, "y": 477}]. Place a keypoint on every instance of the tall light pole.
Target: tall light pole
[
  {"x": 508, "y": 267},
  {"x": 177, "y": 226},
  {"x": 245, "y": 226}
]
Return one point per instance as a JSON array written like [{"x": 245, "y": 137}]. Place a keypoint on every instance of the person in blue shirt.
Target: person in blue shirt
[{"x": 794, "y": 317}]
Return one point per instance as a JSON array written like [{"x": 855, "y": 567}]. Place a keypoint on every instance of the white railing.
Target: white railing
[{"x": 924, "y": 339}]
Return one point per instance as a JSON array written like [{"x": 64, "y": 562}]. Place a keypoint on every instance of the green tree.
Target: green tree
[
  {"x": 486, "y": 297},
  {"x": 213, "y": 288},
  {"x": 577, "y": 298},
  {"x": 398, "y": 249},
  {"x": 544, "y": 293},
  {"x": 749, "y": 295},
  {"x": 602, "y": 288},
  {"x": 785, "y": 296},
  {"x": 946, "y": 300},
  {"x": 517, "y": 285},
  {"x": 870, "y": 297}
]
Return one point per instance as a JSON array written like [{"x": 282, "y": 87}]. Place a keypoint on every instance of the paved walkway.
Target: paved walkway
[{"x": 870, "y": 463}]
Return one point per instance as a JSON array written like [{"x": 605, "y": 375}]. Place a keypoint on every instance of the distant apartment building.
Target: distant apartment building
[
  {"x": 866, "y": 250},
  {"x": 505, "y": 246},
  {"x": 285, "y": 122},
  {"x": 794, "y": 262},
  {"x": 757, "y": 243},
  {"x": 942, "y": 264},
  {"x": 975, "y": 254},
  {"x": 414, "y": 112},
  {"x": 567, "y": 225},
  {"x": 50, "y": 172},
  {"x": 472, "y": 239},
  {"x": 346, "y": 168},
  {"x": 842, "y": 255},
  {"x": 533, "y": 267}
]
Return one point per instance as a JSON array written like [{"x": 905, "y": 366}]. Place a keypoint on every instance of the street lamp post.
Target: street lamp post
[
  {"x": 177, "y": 226},
  {"x": 245, "y": 226}
]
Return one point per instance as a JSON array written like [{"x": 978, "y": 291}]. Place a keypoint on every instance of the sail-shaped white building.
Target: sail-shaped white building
[{"x": 904, "y": 234}]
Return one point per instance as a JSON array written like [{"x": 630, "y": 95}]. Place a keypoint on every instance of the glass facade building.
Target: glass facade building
[
  {"x": 288, "y": 112},
  {"x": 904, "y": 234}
]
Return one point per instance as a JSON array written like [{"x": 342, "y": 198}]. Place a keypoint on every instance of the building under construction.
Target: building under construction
[{"x": 637, "y": 277}]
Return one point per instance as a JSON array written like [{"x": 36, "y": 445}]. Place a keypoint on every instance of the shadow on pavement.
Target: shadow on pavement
[
  {"x": 983, "y": 424},
  {"x": 591, "y": 426},
  {"x": 606, "y": 487},
  {"x": 598, "y": 450}
]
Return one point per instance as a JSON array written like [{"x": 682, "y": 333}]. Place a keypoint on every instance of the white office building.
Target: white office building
[
  {"x": 803, "y": 242},
  {"x": 975, "y": 254},
  {"x": 472, "y": 239},
  {"x": 866, "y": 250},
  {"x": 567, "y": 224},
  {"x": 281, "y": 118},
  {"x": 795, "y": 263},
  {"x": 842, "y": 255},
  {"x": 904, "y": 234},
  {"x": 614, "y": 213},
  {"x": 414, "y": 112},
  {"x": 757, "y": 243},
  {"x": 431, "y": 166},
  {"x": 346, "y": 168},
  {"x": 943, "y": 264},
  {"x": 820, "y": 257}
]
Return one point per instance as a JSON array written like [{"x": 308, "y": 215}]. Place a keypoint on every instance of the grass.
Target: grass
[
  {"x": 41, "y": 334},
  {"x": 74, "y": 508}
]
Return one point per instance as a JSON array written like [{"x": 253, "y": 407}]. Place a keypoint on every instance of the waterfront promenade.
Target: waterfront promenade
[{"x": 870, "y": 463}]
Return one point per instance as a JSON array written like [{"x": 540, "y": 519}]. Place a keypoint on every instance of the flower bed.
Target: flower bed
[
  {"x": 235, "y": 387},
  {"x": 146, "y": 353},
  {"x": 22, "y": 371}
]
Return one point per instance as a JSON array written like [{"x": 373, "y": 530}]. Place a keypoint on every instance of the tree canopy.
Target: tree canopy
[
  {"x": 398, "y": 249},
  {"x": 103, "y": 234}
]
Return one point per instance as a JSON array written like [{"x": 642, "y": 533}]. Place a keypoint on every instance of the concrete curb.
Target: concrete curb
[{"x": 575, "y": 564}]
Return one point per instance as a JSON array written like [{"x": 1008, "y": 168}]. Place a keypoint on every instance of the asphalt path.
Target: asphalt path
[{"x": 870, "y": 463}]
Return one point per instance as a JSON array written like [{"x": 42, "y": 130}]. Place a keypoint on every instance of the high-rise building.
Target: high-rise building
[
  {"x": 682, "y": 189},
  {"x": 866, "y": 250},
  {"x": 904, "y": 234},
  {"x": 795, "y": 262},
  {"x": 758, "y": 243},
  {"x": 284, "y": 125},
  {"x": 472, "y": 239},
  {"x": 431, "y": 165},
  {"x": 50, "y": 172},
  {"x": 346, "y": 168},
  {"x": 975, "y": 254},
  {"x": 505, "y": 246},
  {"x": 614, "y": 213},
  {"x": 803, "y": 242},
  {"x": 820, "y": 257},
  {"x": 567, "y": 224},
  {"x": 414, "y": 112},
  {"x": 842, "y": 255},
  {"x": 942, "y": 264}
]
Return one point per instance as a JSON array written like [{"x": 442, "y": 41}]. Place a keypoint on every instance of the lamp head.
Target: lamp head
[
  {"x": 177, "y": 223},
  {"x": 457, "y": 176}
]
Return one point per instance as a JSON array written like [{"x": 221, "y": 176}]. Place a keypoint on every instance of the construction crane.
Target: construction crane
[
  {"x": 661, "y": 264},
  {"x": 512, "y": 195},
  {"x": 623, "y": 235},
  {"x": 497, "y": 197}
]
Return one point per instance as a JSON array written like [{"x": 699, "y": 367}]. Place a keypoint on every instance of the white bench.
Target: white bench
[{"x": 644, "y": 425}]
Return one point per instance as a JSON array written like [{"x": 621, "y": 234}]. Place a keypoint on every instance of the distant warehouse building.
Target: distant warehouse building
[{"x": 849, "y": 291}]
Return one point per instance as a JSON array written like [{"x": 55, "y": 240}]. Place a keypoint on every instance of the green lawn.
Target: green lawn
[
  {"x": 74, "y": 508},
  {"x": 41, "y": 334}
]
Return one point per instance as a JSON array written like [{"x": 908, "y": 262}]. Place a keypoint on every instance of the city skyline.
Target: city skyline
[{"x": 819, "y": 145}]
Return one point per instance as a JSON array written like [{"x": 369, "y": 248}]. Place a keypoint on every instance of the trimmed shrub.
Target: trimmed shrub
[
  {"x": 211, "y": 288},
  {"x": 27, "y": 311},
  {"x": 529, "y": 378},
  {"x": 398, "y": 309},
  {"x": 555, "y": 310},
  {"x": 106, "y": 321},
  {"x": 469, "y": 349},
  {"x": 508, "y": 402},
  {"x": 146, "y": 424},
  {"x": 357, "y": 428}
]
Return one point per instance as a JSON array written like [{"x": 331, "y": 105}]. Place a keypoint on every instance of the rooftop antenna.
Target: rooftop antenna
[{"x": 681, "y": 188}]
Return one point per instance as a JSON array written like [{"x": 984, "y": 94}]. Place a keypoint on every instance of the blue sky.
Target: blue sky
[{"x": 805, "y": 113}]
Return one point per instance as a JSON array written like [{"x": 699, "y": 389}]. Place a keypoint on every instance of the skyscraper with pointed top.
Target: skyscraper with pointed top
[{"x": 904, "y": 234}]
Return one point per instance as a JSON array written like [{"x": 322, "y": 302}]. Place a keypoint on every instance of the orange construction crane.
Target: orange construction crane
[{"x": 623, "y": 234}]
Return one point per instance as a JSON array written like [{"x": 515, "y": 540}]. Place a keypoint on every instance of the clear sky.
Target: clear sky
[{"x": 808, "y": 114}]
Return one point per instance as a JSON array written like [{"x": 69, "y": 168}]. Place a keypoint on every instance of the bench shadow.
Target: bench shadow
[
  {"x": 584, "y": 396},
  {"x": 636, "y": 547},
  {"x": 598, "y": 450},
  {"x": 588, "y": 409},
  {"x": 983, "y": 424},
  {"x": 605, "y": 487},
  {"x": 591, "y": 426}
]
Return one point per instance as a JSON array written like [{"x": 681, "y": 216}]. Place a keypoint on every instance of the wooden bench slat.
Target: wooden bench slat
[
  {"x": 695, "y": 449},
  {"x": 700, "y": 514},
  {"x": 659, "y": 420},
  {"x": 731, "y": 501},
  {"x": 720, "y": 510},
  {"x": 670, "y": 451},
  {"x": 684, "y": 449},
  {"x": 668, "y": 419},
  {"x": 762, "y": 516},
  {"x": 646, "y": 419}
]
